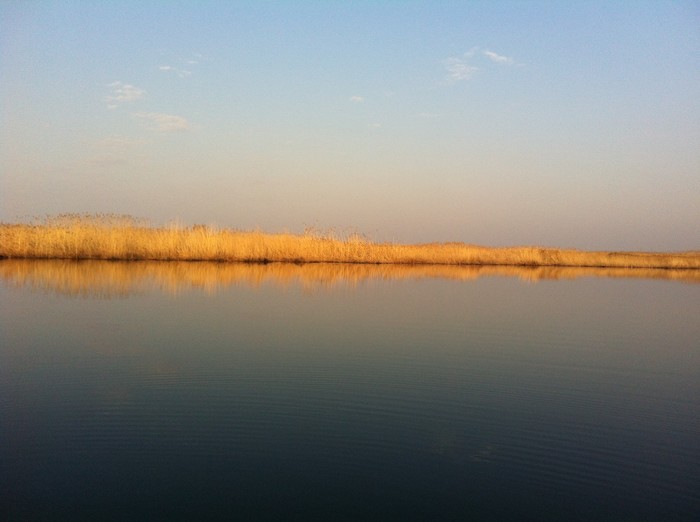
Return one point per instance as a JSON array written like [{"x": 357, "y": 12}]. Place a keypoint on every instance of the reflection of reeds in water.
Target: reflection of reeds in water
[
  {"x": 120, "y": 279},
  {"x": 122, "y": 238}
]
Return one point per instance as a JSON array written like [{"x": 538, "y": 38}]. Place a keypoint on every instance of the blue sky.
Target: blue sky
[{"x": 573, "y": 124}]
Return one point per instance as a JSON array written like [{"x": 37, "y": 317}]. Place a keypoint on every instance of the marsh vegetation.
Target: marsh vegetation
[{"x": 110, "y": 237}]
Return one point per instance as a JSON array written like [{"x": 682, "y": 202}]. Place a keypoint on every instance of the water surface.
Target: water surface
[{"x": 286, "y": 391}]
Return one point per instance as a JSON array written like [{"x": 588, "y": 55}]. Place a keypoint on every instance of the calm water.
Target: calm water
[{"x": 288, "y": 392}]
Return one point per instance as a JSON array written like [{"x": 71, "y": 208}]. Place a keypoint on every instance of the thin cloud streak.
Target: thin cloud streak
[
  {"x": 182, "y": 73},
  {"x": 160, "y": 122},
  {"x": 498, "y": 58},
  {"x": 459, "y": 69},
  {"x": 124, "y": 93}
]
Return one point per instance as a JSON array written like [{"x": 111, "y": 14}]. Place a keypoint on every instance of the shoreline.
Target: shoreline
[
  {"x": 417, "y": 263},
  {"x": 119, "y": 238}
]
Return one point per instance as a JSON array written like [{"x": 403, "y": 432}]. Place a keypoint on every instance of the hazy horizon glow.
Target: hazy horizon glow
[{"x": 495, "y": 123}]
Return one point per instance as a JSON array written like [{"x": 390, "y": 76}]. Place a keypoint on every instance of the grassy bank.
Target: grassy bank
[{"x": 124, "y": 238}]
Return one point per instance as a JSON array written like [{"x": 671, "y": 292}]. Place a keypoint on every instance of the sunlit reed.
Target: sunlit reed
[{"x": 108, "y": 237}]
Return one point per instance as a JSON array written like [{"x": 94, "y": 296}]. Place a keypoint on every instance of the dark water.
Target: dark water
[{"x": 198, "y": 392}]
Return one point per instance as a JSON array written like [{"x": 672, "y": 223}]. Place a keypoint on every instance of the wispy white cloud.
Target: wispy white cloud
[
  {"x": 123, "y": 93},
  {"x": 498, "y": 58},
  {"x": 459, "y": 69},
  {"x": 462, "y": 67},
  {"x": 197, "y": 58},
  {"x": 182, "y": 73},
  {"x": 472, "y": 52},
  {"x": 357, "y": 99},
  {"x": 160, "y": 122}
]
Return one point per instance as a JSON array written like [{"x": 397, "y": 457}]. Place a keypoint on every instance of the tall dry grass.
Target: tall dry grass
[{"x": 110, "y": 237}]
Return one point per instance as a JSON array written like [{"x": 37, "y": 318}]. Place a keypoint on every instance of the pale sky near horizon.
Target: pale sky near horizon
[{"x": 570, "y": 124}]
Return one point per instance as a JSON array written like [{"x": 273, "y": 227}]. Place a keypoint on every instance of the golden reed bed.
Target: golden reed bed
[{"x": 125, "y": 238}]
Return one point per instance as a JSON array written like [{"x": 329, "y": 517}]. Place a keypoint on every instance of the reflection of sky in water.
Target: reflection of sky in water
[
  {"x": 267, "y": 387},
  {"x": 115, "y": 278}
]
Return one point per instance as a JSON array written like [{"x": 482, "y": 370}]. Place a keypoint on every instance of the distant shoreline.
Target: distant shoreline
[{"x": 83, "y": 237}]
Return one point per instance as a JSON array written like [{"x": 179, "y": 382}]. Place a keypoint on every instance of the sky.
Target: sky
[{"x": 564, "y": 124}]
